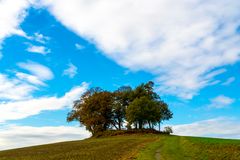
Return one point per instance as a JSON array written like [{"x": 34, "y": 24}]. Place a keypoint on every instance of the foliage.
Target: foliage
[
  {"x": 147, "y": 107},
  {"x": 93, "y": 110},
  {"x": 100, "y": 110},
  {"x": 168, "y": 129},
  {"x": 143, "y": 111},
  {"x": 165, "y": 113},
  {"x": 122, "y": 98},
  {"x": 145, "y": 90}
]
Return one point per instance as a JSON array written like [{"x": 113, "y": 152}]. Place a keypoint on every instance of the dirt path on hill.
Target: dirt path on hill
[{"x": 157, "y": 154}]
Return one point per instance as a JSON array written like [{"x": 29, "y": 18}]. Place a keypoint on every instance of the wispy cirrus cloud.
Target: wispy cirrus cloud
[
  {"x": 79, "y": 46},
  {"x": 163, "y": 37},
  {"x": 23, "y": 108},
  {"x": 229, "y": 81},
  {"x": 32, "y": 79},
  {"x": 19, "y": 102},
  {"x": 39, "y": 70},
  {"x": 22, "y": 84},
  {"x": 38, "y": 49},
  {"x": 221, "y": 102},
  {"x": 38, "y": 37},
  {"x": 71, "y": 71},
  {"x": 14, "y": 88}
]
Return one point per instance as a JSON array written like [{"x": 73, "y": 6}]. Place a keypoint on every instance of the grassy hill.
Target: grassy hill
[{"x": 137, "y": 146}]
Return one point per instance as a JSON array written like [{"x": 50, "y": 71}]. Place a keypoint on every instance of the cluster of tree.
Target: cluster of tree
[{"x": 100, "y": 110}]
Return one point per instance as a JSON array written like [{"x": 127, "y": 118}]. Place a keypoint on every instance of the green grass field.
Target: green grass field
[
  {"x": 139, "y": 146},
  {"x": 191, "y": 148}
]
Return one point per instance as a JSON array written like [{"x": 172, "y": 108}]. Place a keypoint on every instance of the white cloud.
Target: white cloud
[
  {"x": 39, "y": 38},
  {"x": 219, "y": 127},
  {"x": 180, "y": 42},
  {"x": 221, "y": 102},
  {"x": 38, "y": 70},
  {"x": 13, "y": 136},
  {"x": 14, "y": 88},
  {"x": 15, "y": 110},
  {"x": 38, "y": 49},
  {"x": 29, "y": 78},
  {"x": 19, "y": 85},
  {"x": 71, "y": 71},
  {"x": 12, "y": 13},
  {"x": 229, "y": 81},
  {"x": 79, "y": 46}
]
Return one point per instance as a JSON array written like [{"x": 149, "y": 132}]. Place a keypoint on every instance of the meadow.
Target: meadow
[
  {"x": 191, "y": 148},
  {"x": 108, "y": 148},
  {"x": 136, "y": 146}
]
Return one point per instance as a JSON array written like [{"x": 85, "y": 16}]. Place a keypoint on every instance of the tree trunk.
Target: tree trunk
[
  {"x": 159, "y": 126},
  {"x": 135, "y": 125},
  {"x": 119, "y": 124},
  {"x": 140, "y": 124},
  {"x": 115, "y": 125},
  {"x": 149, "y": 124}
]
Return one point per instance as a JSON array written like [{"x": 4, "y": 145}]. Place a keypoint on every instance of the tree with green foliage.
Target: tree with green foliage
[
  {"x": 122, "y": 98},
  {"x": 99, "y": 110},
  {"x": 93, "y": 110},
  {"x": 168, "y": 129},
  {"x": 145, "y": 90},
  {"x": 165, "y": 113},
  {"x": 143, "y": 111},
  {"x": 147, "y": 107}
]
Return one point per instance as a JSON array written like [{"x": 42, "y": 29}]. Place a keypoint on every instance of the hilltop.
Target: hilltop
[{"x": 131, "y": 146}]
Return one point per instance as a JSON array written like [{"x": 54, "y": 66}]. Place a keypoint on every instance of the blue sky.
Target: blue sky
[{"x": 51, "y": 52}]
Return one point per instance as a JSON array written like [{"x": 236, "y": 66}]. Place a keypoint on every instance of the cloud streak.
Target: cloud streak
[
  {"x": 71, "y": 71},
  {"x": 229, "y": 81},
  {"x": 20, "y": 109},
  {"x": 221, "y": 102},
  {"x": 38, "y": 49},
  {"x": 20, "y": 85},
  {"x": 14, "y": 88},
  {"x": 40, "y": 71},
  {"x": 38, "y": 37}
]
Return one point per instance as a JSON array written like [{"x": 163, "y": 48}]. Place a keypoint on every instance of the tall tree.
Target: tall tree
[
  {"x": 93, "y": 110},
  {"x": 165, "y": 113},
  {"x": 147, "y": 107},
  {"x": 122, "y": 98},
  {"x": 143, "y": 111}
]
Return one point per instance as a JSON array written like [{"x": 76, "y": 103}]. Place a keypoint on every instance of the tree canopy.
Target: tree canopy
[{"x": 99, "y": 110}]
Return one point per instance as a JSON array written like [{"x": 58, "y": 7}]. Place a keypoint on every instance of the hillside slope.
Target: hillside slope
[
  {"x": 140, "y": 147},
  {"x": 191, "y": 148}
]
